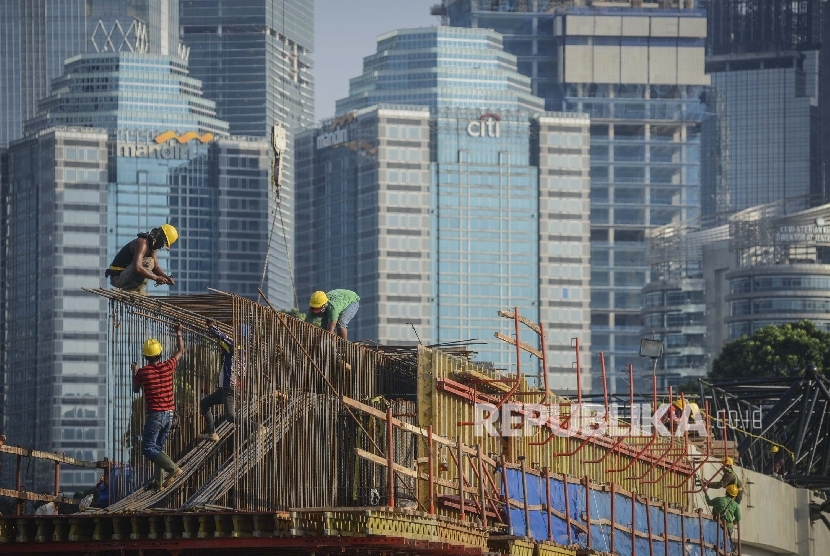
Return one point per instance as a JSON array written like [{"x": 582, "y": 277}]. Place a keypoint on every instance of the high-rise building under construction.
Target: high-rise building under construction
[{"x": 638, "y": 72}]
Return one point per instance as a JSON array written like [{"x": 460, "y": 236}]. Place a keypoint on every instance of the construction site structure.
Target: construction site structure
[{"x": 345, "y": 448}]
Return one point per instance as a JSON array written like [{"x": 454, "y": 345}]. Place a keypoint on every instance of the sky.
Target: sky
[{"x": 345, "y": 31}]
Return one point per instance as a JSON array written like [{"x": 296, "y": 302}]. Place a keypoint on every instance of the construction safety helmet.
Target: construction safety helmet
[
  {"x": 732, "y": 491},
  {"x": 775, "y": 449},
  {"x": 728, "y": 461},
  {"x": 318, "y": 300},
  {"x": 170, "y": 234},
  {"x": 152, "y": 348}
]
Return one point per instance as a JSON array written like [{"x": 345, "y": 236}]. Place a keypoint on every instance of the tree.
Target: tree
[{"x": 775, "y": 351}]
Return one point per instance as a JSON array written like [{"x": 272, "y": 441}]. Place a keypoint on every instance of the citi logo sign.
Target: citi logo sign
[
  {"x": 487, "y": 125},
  {"x": 183, "y": 138}
]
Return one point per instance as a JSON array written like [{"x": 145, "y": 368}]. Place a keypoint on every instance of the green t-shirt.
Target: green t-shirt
[{"x": 339, "y": 300}]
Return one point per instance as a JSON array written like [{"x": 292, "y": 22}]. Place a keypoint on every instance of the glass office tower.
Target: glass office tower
[
  {"x": 639, "y": 73},
  {"x": 254, "y": 59},
  {"x": 36, "y": 36},
  {"x": 124, "y": 143},
  {"x": 462, "y": 199}
]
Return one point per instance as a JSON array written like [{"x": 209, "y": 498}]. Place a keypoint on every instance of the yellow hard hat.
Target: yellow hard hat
[
  {"x": 732, "y": 491},
  {"x": 728, "y": 461},
  {"x": 170, "y": 233},
  {"x": 679, "y": 404},
  {"x": 318, "y": 299},
  {"x": 775, "y": 449},
  {"x": 152, "y": 348}
]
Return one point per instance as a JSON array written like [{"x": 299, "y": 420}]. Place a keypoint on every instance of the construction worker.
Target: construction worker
[
  {"x": 136, "y": 263},
  {"x": 337, "y": 307},
  {"x": 156, "y": 378},
  {"x": 726, "y": 507},
  {"x": 729, "y": 478},
  {"x": 225, "y": 385}
]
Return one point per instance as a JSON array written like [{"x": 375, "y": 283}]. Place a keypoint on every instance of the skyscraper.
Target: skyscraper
[
  {"x": 36, "y": 36},
  {"x": 444, "y": 194},
  {"x": 254, "y": 59},
  {"x": 639, "y": 73},
  {"x": 124, "y": 143},
  {"x": 764, "y": 142}
]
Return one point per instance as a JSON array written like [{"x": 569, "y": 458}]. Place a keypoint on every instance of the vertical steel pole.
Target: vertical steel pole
[
  {"x": 700, "y": 526},
  {"x": 18, "y": 508},
  {"x": 613, "y": 516},
  {"x": 588, "y": 509},
  {"x": 604, "y": 384},
  {"x": 57, "y": 475},
  {"x": 682, "y": 532},
  {"x": 633, "y": 523},
  {"x": 568, "y": 510},
  {"x": 430, "y": 474},
  {"x": 578, "y": 374},
  {"x": 524, "y": 493},
  {"x": 390, "y": 456},
  {"x": 544, "y": 360},
  {"x": 547, "y": 503},
  {"x": 506, "y": 484},
  {"x": 482, "y": 503},
  {"x": 631, "y": 399},
  {"x": 666, "y": 527},
  {"x": 460, "y": 477},
  {"x": 648, "y": 526}
]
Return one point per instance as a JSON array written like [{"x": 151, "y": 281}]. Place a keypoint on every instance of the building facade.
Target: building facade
[
  {"x": 36, "y": 36},
  {"x": 92, "y": 171},
  {"x": 254, "y": 60},
  {"x": 638, "y": 72},
  {"x": 782, "y": 268},
  {"x": 461, "y": 200},
  {"x": 763, "y": 143}
]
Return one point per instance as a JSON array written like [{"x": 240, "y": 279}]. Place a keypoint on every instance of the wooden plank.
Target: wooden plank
[
  {"x": 52, "y": 457},
  {"x": 412, "y": 428},
  {"x": 522, "y": 345},
  {"x": 410, "y": 472},
  {"x": 25, "y": 495},
  {"x": 527, "y": 322}
]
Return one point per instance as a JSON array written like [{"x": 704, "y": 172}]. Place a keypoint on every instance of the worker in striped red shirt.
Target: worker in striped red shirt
[{"x": 156, "y": 378}]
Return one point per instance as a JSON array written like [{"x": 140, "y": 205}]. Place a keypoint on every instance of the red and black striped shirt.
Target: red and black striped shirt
[{"x": 157, "y": 381}]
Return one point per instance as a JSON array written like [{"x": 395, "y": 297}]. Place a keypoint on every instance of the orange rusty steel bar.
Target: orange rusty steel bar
[
  {"x": 568, "y": 510},
  {"x": 57, "y": 475},
  {"x": 717, "y": 536},
  {"x": 578, "y": 374},
  {"x": 700, "y": 525},
  {"x": 506, "y": 484},
  {"x": 613, "y": 518},
  {"x": 682, "y": 529},
  {"x": 431, "y": 474},
  {"x": 544, "y": 360},
  {"x": 496, "y": 490},
  {"x": 482, "y": 501},
  {"x": 604, "y": 384},
  {"x": 608, "y": 453},
  {"x": 562, "y": 454},
  {"x": 648, "y": 528},
  {"x": 662, "y": 457},
  {"x": 460, "y": 461},
  {"x": 685, "y": 453},
  {"x": 588, "y": 510},
  {"x": 547, "y": 503},
  {"x": 479, "y": 505},
  {"x": 703, "y": 460},
  {"x": 390, "y": 455},
  {"x": 524, "y": 495},
  {"x": 635, "y": 457},
  {"x": 634, "y": 523}
]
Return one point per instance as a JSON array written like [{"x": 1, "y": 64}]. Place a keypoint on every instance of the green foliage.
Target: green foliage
[
  {"x": 296, "y": 313},
  {"x": 775, "y": 351},
  {"x": 690, "y": 387}
]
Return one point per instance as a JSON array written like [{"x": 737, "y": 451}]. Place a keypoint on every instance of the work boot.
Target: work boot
[
  {"x": 173, "y": 470},
  {"x": 212, "y": 436}
]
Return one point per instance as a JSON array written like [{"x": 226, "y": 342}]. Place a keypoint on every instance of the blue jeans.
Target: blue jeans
[
  {"x": 348, "y": 314},
  {"x": 222, "y": 396},
  {"x": 154, "y": 436}
]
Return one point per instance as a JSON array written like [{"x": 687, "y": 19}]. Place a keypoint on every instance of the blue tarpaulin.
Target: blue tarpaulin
[{"x": 600, "y": 515}]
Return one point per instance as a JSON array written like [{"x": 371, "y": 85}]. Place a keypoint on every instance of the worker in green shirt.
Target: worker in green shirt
[
  {"x": 337, "y": 308},
  {"x": 725, "y": 507},
  {"x": 729, "y": 478}
]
